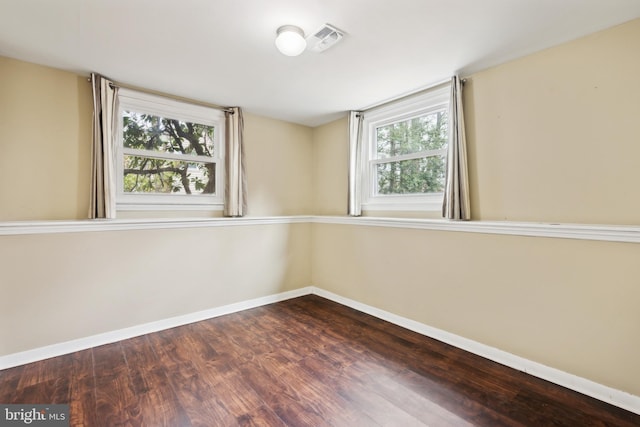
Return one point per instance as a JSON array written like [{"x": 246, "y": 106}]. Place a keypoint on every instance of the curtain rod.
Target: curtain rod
[
  {"x": 168, "y": 95},
  {"x": 418, "y": 92}
]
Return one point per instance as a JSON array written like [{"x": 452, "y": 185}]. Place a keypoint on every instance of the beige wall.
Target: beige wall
[
  {"x": 45, "y": 123},
  {"x": 330, "y": 167},
  {"x": 45, "y": 134},
  {"x": 552, "y": 137},
  {"x": 59, "y": 287},
  {"x": 279, "y": 161}
]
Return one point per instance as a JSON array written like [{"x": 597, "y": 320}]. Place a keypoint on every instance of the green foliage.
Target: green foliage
[
  {"x": 413, "y": 176},
  {"x": 148, "y": 174}
]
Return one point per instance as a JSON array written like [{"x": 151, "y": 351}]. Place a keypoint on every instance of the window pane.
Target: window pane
[
  {"x": 149, "y": 132},
  {"x": 155, "y": 176},
  {"x": 428, "y": 132},
  {"x": 414, "y": 176}
]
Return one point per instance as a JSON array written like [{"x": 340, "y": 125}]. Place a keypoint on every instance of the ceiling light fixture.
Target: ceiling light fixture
[{"x": 290, "y": 40}]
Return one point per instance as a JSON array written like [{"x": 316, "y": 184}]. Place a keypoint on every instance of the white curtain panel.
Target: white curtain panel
[
  {"x": 355, "y": 163},
  {"x": 456, "y": 204},
  {"x": 103, "y": 183},
  {"x": 235, "y": 194}
]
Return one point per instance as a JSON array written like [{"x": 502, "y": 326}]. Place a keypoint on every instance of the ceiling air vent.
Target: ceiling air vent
[{"x": 324, "y": 38}]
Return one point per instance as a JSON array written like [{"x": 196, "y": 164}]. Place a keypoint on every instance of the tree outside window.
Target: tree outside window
[{"x": 147, "y": 174}]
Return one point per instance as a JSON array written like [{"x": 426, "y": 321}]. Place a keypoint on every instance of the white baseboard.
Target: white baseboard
[
  {"x": 60, "y": 349},
  {"x": 606, "y": 394}
]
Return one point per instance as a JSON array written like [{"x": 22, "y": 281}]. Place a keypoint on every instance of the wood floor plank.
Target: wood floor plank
[
  {"x": 9, "y": 380},
  {"x": 362, "y": 403},
  {"x": 285, "y": 400},
  {"x": 47, "y": 370},
  {"x": 116, "y": 401},
  {"x": 159, "y": 404},
  {"x": 335, "y": 408},
  {"x": 54, "y": 391},
  {"x": 382, "y": 396},
  {"x": 301, "y": 362},
  {"x": 82, "y": 403},
  {"x": 242, "y": 402},
  {"x": 157, "y": 401},
  {"x": 196, "y": 397},
  {"x": 262, "y": 416}
]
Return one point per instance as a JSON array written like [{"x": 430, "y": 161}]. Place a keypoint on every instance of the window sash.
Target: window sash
[
  {"x": 405, "y": 109},
  {"x": 424, "y": 112},
  {"x": 412, "y": 156},
  {"x": 140, "y": 102},
  {"x": 168, "y": 156},
  {"x": 376, "y": 183}
]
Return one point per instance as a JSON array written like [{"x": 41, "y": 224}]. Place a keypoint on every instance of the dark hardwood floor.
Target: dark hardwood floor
[{"x": 302, "y": 362}]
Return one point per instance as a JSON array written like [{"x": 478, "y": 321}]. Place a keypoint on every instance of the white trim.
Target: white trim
[
  {"x": 608, "y": 233},
  {"x": 164, "y": 106},
  {"x": 60, "y": 349},
  {"x": 601, "y": 392},
  {"x": 407, "y": 95},
  {"x": 48, "y": 227}
]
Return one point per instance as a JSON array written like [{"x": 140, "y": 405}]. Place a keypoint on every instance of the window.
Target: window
[
  {"x": 405, "y": 147},
  {"x": 169, "y": 154}
]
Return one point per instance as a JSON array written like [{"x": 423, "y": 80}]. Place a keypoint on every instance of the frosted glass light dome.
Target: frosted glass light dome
[{"x": 290, "y": 40}]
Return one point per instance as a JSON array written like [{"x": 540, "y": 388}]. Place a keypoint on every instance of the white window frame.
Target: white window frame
[
  {"x": 404, "y": 109},
  {"x": 141, "y": 102}
]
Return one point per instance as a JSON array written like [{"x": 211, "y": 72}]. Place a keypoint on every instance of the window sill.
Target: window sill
[
  {"x": 425, "y": 207},
  {"x": 169, "y": 207},
  {"x": 400, "y": 203}
]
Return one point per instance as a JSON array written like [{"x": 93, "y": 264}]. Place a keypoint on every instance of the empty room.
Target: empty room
[{"x": 319, "y": 213}]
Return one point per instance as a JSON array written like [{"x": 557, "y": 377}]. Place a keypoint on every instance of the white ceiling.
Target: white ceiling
[{"x": 222, "y": 51}]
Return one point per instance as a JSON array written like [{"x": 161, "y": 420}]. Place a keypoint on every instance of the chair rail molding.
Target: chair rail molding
[
  {"x": 600, "y": 232},
  {"x": 610, "y": 233}
]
